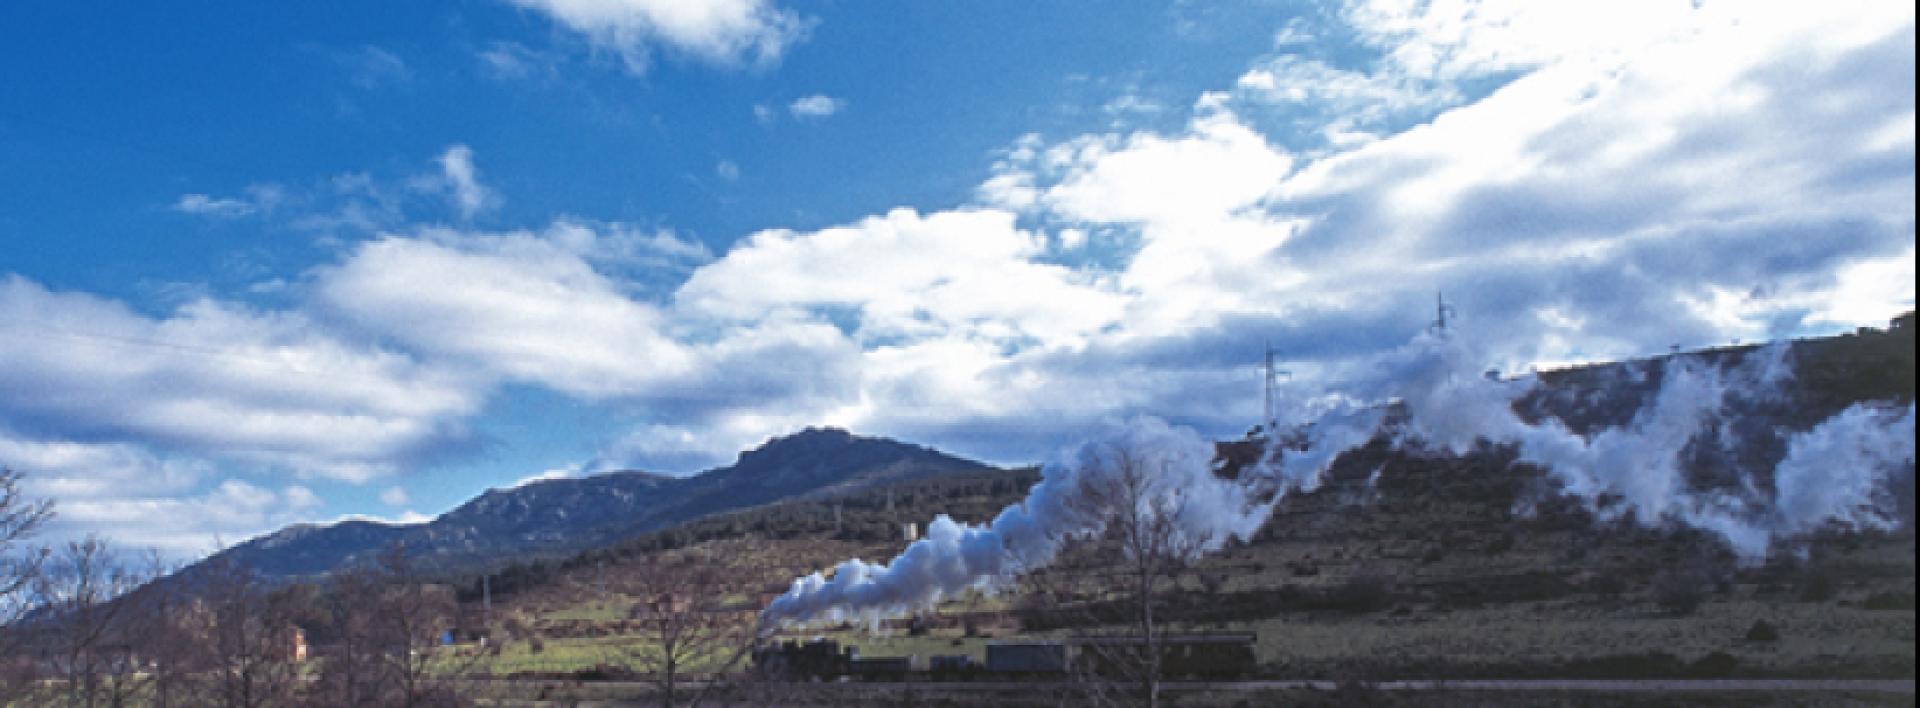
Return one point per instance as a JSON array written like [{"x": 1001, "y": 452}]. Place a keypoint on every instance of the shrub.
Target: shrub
[
  {"x": 1679, "y": 591},
  {"x": 1763, "y": 631},
  {"x": 1608, "y": 586},
  {"x": 1889, "y": 600},
  {"x": 1817, "y": 588},
  {"x": 1716, "y": 664},
  {"x": 1366, "y": 590}
]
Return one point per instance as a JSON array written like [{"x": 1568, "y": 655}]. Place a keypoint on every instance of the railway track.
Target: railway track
[{"x": 1882, "y": 686}]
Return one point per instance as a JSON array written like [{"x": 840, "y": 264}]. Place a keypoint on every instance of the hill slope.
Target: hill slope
[{"x": 563, "y": 516}]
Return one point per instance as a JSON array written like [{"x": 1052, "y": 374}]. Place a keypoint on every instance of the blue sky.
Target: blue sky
[{"x": 270, "y": 263}]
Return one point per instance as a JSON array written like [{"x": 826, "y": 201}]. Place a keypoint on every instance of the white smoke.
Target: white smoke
[
  {"x": 1068, "y": 503},
  {"x": 1429, "y": 398},
  {"x": 1830, "y": 474},
  {"x": 1823, "y": 476}
]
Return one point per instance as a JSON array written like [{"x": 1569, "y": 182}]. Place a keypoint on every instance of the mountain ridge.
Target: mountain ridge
[{"x": 568, "y": 515}]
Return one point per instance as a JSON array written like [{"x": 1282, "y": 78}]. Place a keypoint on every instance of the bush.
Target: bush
[
  {"x": 1763, "y": 631},
  {"x": 1608, "y": 586},
  {"x": 1889, "y": 601},
  {"x": 1366, "y": 590},
  {"x": 1818, "y": 588},
  {"x": 1679, "y": 592},
  {"x": 1714, "y": 665}
]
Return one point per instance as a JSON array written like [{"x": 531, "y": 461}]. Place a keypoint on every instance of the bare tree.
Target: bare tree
[
  {"x": 409, "y": 617},
  {"x": 86, "y": 618},
  {"x": 685, "y": 625},
  {"x": 350, "y": 665},
  {"x": 1112, "y": 583},
  {"x": 20, "y": 517},
  {"x": 242, "y": 637},
  {"x": 168, "y": 641}
]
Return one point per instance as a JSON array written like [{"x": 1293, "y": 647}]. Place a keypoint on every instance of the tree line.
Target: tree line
[{"x": 89, "y": 624}]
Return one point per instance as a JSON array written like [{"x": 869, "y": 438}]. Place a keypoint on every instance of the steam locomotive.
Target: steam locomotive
[{"x": 1187, "y": 656}]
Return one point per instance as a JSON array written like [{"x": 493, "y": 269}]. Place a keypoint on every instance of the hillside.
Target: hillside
[
  {"x": 564, "y": 516},
  {"x": 1401, "y": 566}
]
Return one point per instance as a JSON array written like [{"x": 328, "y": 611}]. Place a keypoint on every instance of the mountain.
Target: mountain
[{"x": 559, "y": 516}]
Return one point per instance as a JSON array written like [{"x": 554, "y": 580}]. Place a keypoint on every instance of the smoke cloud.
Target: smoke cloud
[
  {"x": 1067, "y": 504},
  {"x": 1702, "y": 421},
  {"x": 1428, "y": 398}
]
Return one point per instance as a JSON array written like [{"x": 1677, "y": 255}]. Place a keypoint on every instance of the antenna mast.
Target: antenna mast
[
  {"x": 1441, "y": 311},
  {"x": 1268, "y": 422},
  {"x": 1266, "y": 418}
]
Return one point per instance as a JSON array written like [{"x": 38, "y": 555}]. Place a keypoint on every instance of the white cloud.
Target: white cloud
[
  {"x": 1341, "y": 106},
  {"x": 257, "y": 199},
  {"x": 1218, "y": 168},
  {"x": 522, "y": 306},
  {"x": 816, "y": 106},
  {"x": 406, "y": 517},
  {"x": 516, "y": 61},
  {"x": 1749, "y": 194},
  {"x": 1294, "y": 33},
  {"x": 721, "y": 32},
  {"x": 187, "y": 526},
  {"x": 371, "y": 66},
  {"x": 394, "y": 496},
  {"x": 1587, "y": 209},
  {"x": 1701, "y": 180},
  {"x": 909, "y": 276},
  {"x": 727, "y": 170},
  {"x": 459, "y": 181},
  {"x": 204, "y": 205},
  {"x": 555, "y": 473},
  {"x": 219, "y": 381},
  {"x": 139, "y": 499}
]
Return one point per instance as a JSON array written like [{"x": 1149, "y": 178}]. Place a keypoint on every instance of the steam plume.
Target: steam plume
[
  {"x": 1834, "y": 472},
  {"x": 1831, "y": 473},
  {"x": 954, "y": 557}
]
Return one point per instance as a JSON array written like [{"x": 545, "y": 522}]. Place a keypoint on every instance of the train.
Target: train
[{"x": 1218, "y": 656}]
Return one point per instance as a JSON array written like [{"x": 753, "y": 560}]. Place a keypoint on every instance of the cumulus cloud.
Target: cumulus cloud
[
  {"x": 816, "y": 106},
  {"x": 459, "y": 181},
  {"x": 1605, "y": 201},
  {"x": 1726, "y": 172},
  {"x": 218, "y": 380},
  {"x": 174, "y": 504},
  {"x": 909, "y": 276},
  {"x": 720, "y": 32},
  {"x": 519, "y": 306},
  {"x": 1598, "y": 203},
  {"x": 188, "y": 526}
]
